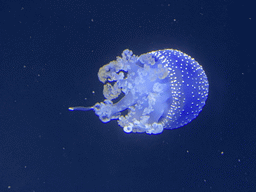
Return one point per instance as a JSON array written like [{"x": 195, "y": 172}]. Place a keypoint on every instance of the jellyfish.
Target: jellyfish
[{"x": 163, "y": 89}]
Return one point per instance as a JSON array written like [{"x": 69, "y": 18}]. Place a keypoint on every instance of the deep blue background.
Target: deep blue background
[{"x": 50, "y": 53}]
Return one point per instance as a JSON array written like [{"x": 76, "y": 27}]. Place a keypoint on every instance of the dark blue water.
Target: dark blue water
[{"x": 50, "y": 53}]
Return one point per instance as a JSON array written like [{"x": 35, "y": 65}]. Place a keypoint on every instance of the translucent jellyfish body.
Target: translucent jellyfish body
[{"x": 163, "y": 89}]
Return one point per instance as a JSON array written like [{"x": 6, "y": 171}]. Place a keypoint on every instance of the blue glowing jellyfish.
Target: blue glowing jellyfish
[{"x": 163, "y": 89}]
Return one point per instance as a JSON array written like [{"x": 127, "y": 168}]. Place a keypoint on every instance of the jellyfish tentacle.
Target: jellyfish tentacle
[{"x": 80, "y": 108}]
